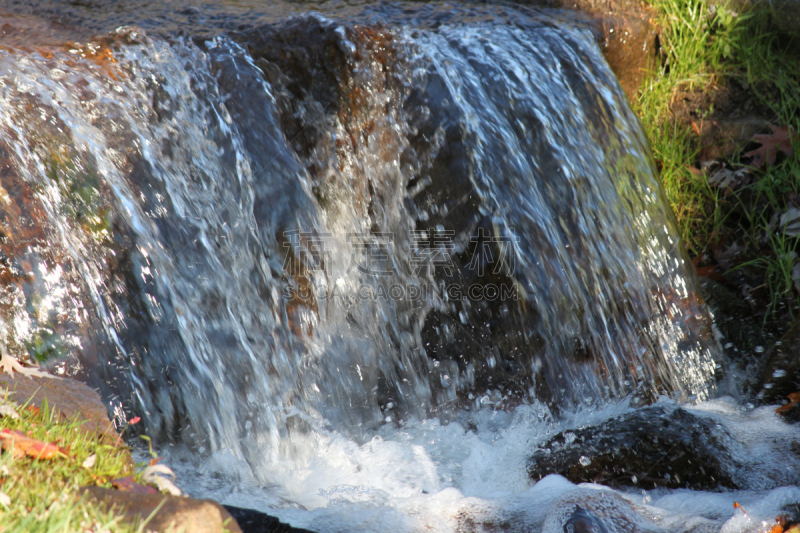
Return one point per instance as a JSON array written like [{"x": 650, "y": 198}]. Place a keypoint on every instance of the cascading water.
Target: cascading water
[{"x": 293, "y": 244}]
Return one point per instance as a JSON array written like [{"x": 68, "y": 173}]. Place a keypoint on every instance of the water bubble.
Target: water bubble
[
  {"x": 779, "y": 373},
  {"x": 585, "y": 461},
  {"x": 634, "y": 480},
  {"x": 759, "y": 349}
]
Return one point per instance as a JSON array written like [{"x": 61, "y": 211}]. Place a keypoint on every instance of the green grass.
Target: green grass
[
  {"x": 42, "y": 494},
  {"x": 704, "y": 47}
]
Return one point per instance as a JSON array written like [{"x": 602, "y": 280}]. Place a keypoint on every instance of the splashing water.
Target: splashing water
[{"x": 355, "y": 266}]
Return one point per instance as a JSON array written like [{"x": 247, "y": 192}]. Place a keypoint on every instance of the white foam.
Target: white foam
[{"x": 428, "y": 476}]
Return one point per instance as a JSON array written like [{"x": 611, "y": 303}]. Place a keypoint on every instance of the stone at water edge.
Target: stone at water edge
[
  {"x": 779, "y": 372},
  {"x": 252, "y": 521},
  {"x": 176, "y": 513},
  {"x": 658, "y": 446},
  {"x": 67, "y": 396}
]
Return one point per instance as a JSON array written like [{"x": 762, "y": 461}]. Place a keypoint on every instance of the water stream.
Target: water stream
[{"x": 353, "y": 264}]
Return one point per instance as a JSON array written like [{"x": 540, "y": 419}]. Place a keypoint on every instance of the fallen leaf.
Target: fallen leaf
[
  {"x": 789, "y": 222},
  {"x": 7, "y": 410},
  {"x": 796, "y": 277},
  {"x": 780, "y": 140},
  {"x": 23, "y": 445},
  {"x": 794, "y": 399},
  {"x": 725, "y": 258},
  {"x": 90, "y": 461},
  {"x": 710, "y": 272},
  {"x": 726, "y": 178},
  {"x": 127, "y": 484},
  {"x": 9, "y": 365},
  {"x": 737, "y": 506},
  {"x": 162, "y": 477}
]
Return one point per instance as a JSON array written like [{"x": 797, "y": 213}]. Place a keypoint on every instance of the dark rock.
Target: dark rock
[
  {"x": 742, "y": 332},
  {"x": 658, "y": 446},
  {"x": 779, "y": 373},
  {"x": 252, "y": 521},
  {"x": 67, "y": 396},
  {"x": 175, "y": 513}
]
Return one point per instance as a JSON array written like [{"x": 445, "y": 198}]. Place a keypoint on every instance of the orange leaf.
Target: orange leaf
[
  {"x": 780, "y": 140},
  {"x": 23, "y": 445},
  {"x": 794, "y": 399}
]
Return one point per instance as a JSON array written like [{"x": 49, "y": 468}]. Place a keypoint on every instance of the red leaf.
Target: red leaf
[
  {"x": 23, "y": 445},
  {"x": 780, "y": 140}
]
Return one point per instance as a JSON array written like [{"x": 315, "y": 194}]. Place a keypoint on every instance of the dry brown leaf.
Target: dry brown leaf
[
  {"x": 9, "y": 365},
  {"x": 726, "y": 178},
  {"x": 780, "y": 140}
]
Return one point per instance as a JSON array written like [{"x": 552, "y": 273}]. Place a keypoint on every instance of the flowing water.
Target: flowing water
[{"x": 354, "y": 263}]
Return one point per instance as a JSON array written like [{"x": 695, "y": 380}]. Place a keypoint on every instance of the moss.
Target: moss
[{"x": 80, "y": 187}]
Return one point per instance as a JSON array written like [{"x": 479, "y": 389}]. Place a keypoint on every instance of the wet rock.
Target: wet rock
[
  {"x": 741, "y": 332},
  {"x": 629, "y": 46},
  {"x": 779, "y": 373},
  {"x": 659, "y": 446},
  {"x": 625, "y": 34},
  {"x": 596, "y": 511},
  {"x": 67, "y": 396},
  {"x": 252, "y": 521},
  {"x": 175, "y": 513}
]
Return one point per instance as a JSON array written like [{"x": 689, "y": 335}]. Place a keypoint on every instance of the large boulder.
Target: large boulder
[
  {"x": 165, "y": 512},
  {"x": 658, "y": 446},
  {"x": 66, "y": 396}
]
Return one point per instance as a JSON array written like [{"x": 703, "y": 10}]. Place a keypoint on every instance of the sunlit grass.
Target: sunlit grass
[
  {"x": 705, "y": 46},
  {"x": 42, "y": 495}
]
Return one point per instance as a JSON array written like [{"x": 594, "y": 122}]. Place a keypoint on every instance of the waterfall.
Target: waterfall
[{"x": 326, "y": 224}]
